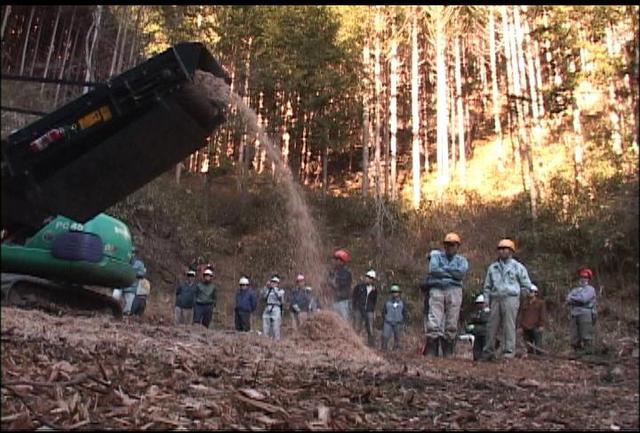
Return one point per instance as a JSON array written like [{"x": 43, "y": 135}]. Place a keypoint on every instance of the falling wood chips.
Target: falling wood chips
[{"x": 96, "y": 373}]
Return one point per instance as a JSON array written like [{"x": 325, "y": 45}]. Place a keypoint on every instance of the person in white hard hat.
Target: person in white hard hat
[
  {"x": 300, "y": 301},
  {"x": 365, "y": 296},
  {"x": 477, "y": 325},
  {"x": 205, "y": 302},
  {"x": 246, "y": 303},
  {"x": 185, "y": 298},
  {"x": 272, "y": 314}
]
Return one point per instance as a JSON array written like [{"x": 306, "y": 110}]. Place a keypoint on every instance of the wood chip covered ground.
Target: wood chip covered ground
[{"x": 83, "y": 373}]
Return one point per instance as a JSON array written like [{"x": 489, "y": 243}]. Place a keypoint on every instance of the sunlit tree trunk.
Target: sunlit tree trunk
[
  {"x": 90, "y": 44},
  {"x": 451, "y": 100},
  {"x": 495, "y": 96},
  {"x": 242, "y": 150},
  {"x": 51, "y": 47},
  {"x": 26, "y": 40},
  {"x": 393, "y": 114},
  {"x": 531, "y": 73},
  {"x": 366, "y": 122},
  {"x": 614, "y": 116},
  {"x": 442, "y": 115},
  {"x": 377, "y": 106},
  {"x": 135, "y": 37},
  {"x": 114, "y": 57},
  {"x": 123, "y": 42},
  {"x": 635, "y": 80},
  {"x": 538, "y": 67},
  {"x": 506, "y": 37},
  {"x": 67, "y": 54},
  {"x": 415, "y": 113},
  {"x": 37, "y": 47},
  {"x": 459, "y": 113},
  {"x": 5, "y": 18}
]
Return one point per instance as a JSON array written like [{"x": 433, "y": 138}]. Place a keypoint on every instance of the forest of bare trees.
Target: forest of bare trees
[{"x": 379, "y": 92}]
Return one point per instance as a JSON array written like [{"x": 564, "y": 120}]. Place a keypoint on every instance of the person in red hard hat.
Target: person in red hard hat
[
  {"x": 339, "y": 281},
  {"x": 582, "y": 302}
]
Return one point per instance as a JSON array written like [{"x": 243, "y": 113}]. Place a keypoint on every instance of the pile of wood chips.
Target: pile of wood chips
[{"x": 98, "y": 373}]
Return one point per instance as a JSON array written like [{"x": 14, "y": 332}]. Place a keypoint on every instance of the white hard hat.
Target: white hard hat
[
  {"x": 191, "y": 273},
  {"x": 244, "y": 280},
  {"x": 275, "y": 279},
  {"x": 300, "y": 277},
  {"x": 480, "y": 299},
  {"x": 371, "y": 274},
  {"x": 534, "y": 288},
  {"x": 208, "y": 272}
]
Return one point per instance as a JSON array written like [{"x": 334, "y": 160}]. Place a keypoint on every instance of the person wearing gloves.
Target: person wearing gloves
[
  {"x": 532, "y": 320},
  {"x": 394, "y": 314},
  {"x": 246, "y": 303},
  {"x": 582, "y": 303},
  {"x": 506, "y": 278},
  {"x": 272, "y": 314}
]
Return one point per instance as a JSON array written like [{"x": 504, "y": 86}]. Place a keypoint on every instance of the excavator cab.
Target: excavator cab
[{"x": 62, "y": 171}]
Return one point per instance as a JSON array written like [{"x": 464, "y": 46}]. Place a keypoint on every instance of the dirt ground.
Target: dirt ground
[{"x": 86, "y": 373}]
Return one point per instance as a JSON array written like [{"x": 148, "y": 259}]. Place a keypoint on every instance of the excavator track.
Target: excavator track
[{"x": 24, "y": 291}]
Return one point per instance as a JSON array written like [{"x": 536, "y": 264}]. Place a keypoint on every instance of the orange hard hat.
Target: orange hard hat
[
  {"x": 585, "y": 273},
  {"x": 507, "y": 243},
  {"x": 342, "y": 255},
  {"x": 452, "y": 238}
]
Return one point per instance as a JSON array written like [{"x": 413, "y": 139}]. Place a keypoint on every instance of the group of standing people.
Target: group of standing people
[
  {"x": 494, "y": 322},
  {"x": 498, "y": 312},
  {"x": 358, "y": 305},
  {"x": 133, "y": 298},
  {"x": 196, "y": 302}
]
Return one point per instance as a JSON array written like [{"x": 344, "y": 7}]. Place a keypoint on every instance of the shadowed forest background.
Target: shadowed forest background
[{"x": 402, "y": 123}]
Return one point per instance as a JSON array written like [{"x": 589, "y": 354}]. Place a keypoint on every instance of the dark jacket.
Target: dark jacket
[
  {"x": 340, "y": 281},
  {"x": 395, "y": 311},
  {"x": 301, "y": 299},
  {"x": 363, "y": 302},
  {"x": 206, "y": 293},
  {"x": 477, "y": 323},
  {"x": 532, "y": 314},
  {"x": 246, "y": 300},
  {"x": 186, "y": 294}
]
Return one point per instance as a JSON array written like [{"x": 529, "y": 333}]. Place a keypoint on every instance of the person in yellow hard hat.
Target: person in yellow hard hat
[
  {"x": 505, "y": 279},
  {"x": 447, "y": 269}
]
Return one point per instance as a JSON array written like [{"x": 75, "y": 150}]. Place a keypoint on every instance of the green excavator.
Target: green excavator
[{"x": 59, "y": 251}]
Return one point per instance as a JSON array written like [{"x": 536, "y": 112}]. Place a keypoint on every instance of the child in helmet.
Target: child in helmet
[
  {"x": 394, "y": 314},
  {"x": 477, "y": 325}
]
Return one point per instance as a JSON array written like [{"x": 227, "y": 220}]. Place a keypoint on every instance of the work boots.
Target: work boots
[
  {"x": 433, "y": 345},
  {"x": 447, "y": 347}
]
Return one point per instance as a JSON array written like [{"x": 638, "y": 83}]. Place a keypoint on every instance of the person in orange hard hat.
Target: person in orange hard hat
[
  {"x": 339, "y": 282},
  {"x": 447, "y": 269},
  {"x": 582, "y": 302},
  {"x": 505, "y": 280}
]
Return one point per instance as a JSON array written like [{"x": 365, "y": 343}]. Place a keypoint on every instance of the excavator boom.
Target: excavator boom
[{"x": 61, "y": 172}]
